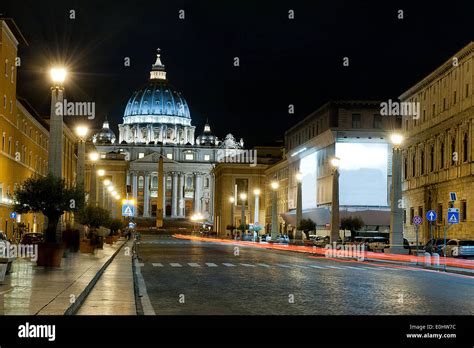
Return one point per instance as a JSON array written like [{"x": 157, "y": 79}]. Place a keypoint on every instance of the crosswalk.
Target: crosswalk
[{"x": 306, "y": 266}]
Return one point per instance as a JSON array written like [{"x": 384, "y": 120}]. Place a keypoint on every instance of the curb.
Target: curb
[{"x": 73, "y": 308}]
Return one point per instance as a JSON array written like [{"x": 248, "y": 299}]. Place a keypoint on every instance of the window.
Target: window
[
  {"x": 424, "y": 115},
  {"x": 4, "y": 101},
  {"x": 440, "y": 213},
  {"x": 422, "y": 160},
  {"x": 207, "y": 157},
  {"x": 454, "y": 98},
  {"x": 467, "y": 90},
  {"x": 169, "y": 155},
  {"x": 453, "y": 150},
  {"x": 404, "y": 216},
  {"x": 463, "y": 210},
  {"x": 11, "y": 75},
  {"x": 412, "y": 215},
  {"x": 356, "y": 120},
  {"x": 140, "y": 182},
  {"x": 141, "y": 155},
  {"x": 465, "y": 148},
  {"x": 432, "y": 158},
  {"x": 189, "y": 156},
  {"x": 420, "y": 211},
  {"x": 10, "y": 145},
  {"x": 11, "y": 106},
  {"x": 441, "y": 155},
  {"x": 377, "y": 121},
  {"x": 154, "y": 182},
  {"x": 6, "y": 67},
  {"x": 413, "y": 166},
  {"x": 444, "y": 104},
  {"x": 405, "y": 168}
]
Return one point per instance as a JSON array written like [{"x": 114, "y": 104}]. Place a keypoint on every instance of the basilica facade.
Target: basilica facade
[{"x": 157, "y": 123}]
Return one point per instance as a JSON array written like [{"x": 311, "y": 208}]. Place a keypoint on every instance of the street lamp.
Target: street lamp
[
  {"x": 93, "y": 157},
  {"x": 396, "y": 209},
  {"x": 243, "y": 197},
  {"x": 101, "y": 172},
  {"x": 107, "y": 182},
  {"x": 81, "y": 132},
  {"x": 55, "y": 147},
  {"x": 256, "y": 192},
  {"x": 232, "y": 203},
  {"x": 274, "y": 232},
  {"x": 299, "y": 204},
  {"x": 335, "y": 161}
]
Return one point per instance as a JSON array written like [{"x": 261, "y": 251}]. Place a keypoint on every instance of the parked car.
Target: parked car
[
  {"x": 321, "y": 241},
  {"x": 459, "y": 248},
  {"x": 283, "y": 239},
  {"x": 377, "y": 244},
  {"x": 32, "y": 238},
  {"x": 434, "y": 245},
  {"x": 3, "y": 252}
]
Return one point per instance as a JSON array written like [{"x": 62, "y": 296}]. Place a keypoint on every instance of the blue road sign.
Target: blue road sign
[
  {"x": 453, "y": 197},
  {"x": 453, "y": 215},
  {"x": 132, "y": 225},
  {"x": 128, "y": 209},
  {"x": 12, "y": 215},
  {"x": 431, "y": 215},
  {"x": 417, "y": 220}
]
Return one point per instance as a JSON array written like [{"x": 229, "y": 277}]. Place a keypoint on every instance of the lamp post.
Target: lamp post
[
  {"x": 232, "y": 202},
  {"x": 55, "y": 147},
  {"x": 335, "y": 200},
  {"x": 94, "y": 156},
  {"x": 274, "y": 231},
  {"x": 396, "y": 209},
  {"x": 81, "y": 132},
  {"x": 243, "y": 198},
  {"x": 299, "y": 205},
  {"x": 256, "y": 192}
]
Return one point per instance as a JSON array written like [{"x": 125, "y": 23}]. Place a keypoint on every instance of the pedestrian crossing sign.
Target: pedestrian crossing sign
[
  {"x": 453, "y": 215},
  {"x": 128, "y": 209}
]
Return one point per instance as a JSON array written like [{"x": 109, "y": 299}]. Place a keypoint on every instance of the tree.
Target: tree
[
  {"x": 94, "y": 217},
  {"x": 50, "y": 196},
  {"x": 352, "y": 224},
  {"x": 307, "y": 225},
  {"x": 115, "y": 225}
]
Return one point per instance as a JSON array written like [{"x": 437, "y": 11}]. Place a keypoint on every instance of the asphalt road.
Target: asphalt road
[{"x": 186, "y": 277}]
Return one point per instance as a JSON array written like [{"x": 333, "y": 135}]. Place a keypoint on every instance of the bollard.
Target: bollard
[
  {"x": 435, "y": 259},
  {"x": 427, "y": 259}
]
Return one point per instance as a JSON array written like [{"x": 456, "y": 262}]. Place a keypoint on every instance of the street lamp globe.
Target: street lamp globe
[
  {"x": 231, "y": 199},
  {"x": 82, "y": 131},
  {"x": 58, "y": 75},
  {"x": 106, "y": 182},
  {"x": 335, "y": 161},
  {"x": 94, "y": 156},
  {"x": 101, "y": 172},
  {"x": 256, "y": 192},
  {"x": 396, "y": 139},
  {"x": 299, "y": 177},
  {"x": 243, "y": 196},
  {"x": 274, "y": 185},
  {"x": 110, "y": 188}
]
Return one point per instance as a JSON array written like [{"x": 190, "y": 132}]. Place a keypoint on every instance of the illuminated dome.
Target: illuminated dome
[
  {"x": 157, "y": 101},
  {"x": 105, "y": 135},
  {"x": 207, "y": 138}
]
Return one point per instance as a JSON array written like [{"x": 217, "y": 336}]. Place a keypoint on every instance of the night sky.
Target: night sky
[{"x": 282, "y": 61}]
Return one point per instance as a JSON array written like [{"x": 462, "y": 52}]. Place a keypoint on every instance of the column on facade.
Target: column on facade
[
  {"x": 146, "y": 195},
  {"x": 181, "y": 195},
  {"x": 174, "y": 195},
  {"x": 135, "y": 186},
  {"x": 164, "y": 194},
  {"x": 197, "y": 193}
]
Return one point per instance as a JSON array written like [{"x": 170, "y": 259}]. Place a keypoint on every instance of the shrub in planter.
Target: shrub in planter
[{"x": 50, "y": 196}]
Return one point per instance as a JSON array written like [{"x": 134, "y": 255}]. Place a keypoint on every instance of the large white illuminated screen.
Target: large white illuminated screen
[
  {"x": 309, "y": 181},
  {"x": 363, "y": 174}
]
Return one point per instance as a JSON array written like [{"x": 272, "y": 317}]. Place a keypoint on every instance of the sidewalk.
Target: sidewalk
[
  {"x": 32, "y": 290},
  {"x": 114, "y": 293}
]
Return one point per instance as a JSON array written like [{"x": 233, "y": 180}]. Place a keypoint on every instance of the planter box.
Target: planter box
[
  {"x": 50, "y": 254},
  {"x": 109, "y": 240},
  {"x": 86, "y": 247}
]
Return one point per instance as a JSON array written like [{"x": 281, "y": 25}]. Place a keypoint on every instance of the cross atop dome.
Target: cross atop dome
[{"x": 158, "y": 69}]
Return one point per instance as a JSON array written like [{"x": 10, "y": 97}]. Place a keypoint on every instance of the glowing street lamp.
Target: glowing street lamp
[
  {"x": 101, "y": 172},
  {"x": 396, "y": 211},
  {"x": 396, "y": 139},
  {"x": 81, "y": 132},
  {"x": 58, "y": 75},
  {"x": 107, "y": 182},
  {"x": 243, "y": 198}
]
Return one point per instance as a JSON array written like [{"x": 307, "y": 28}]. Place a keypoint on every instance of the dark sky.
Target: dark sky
[{"x": 282, "y": 61}]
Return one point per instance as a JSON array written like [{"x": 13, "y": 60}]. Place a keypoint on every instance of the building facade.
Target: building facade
[{"x": 437, "y": 152}]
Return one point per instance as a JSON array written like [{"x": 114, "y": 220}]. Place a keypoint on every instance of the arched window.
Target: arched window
[
  {"x": 465, "y": 148},
  {"x": 453, "y": 152},
  {"x": 154, "y": 182},
  {"x": 405, "y": 168},
  {"x": 413, "y": 166},
  {"x": 140, "y": 182}
]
